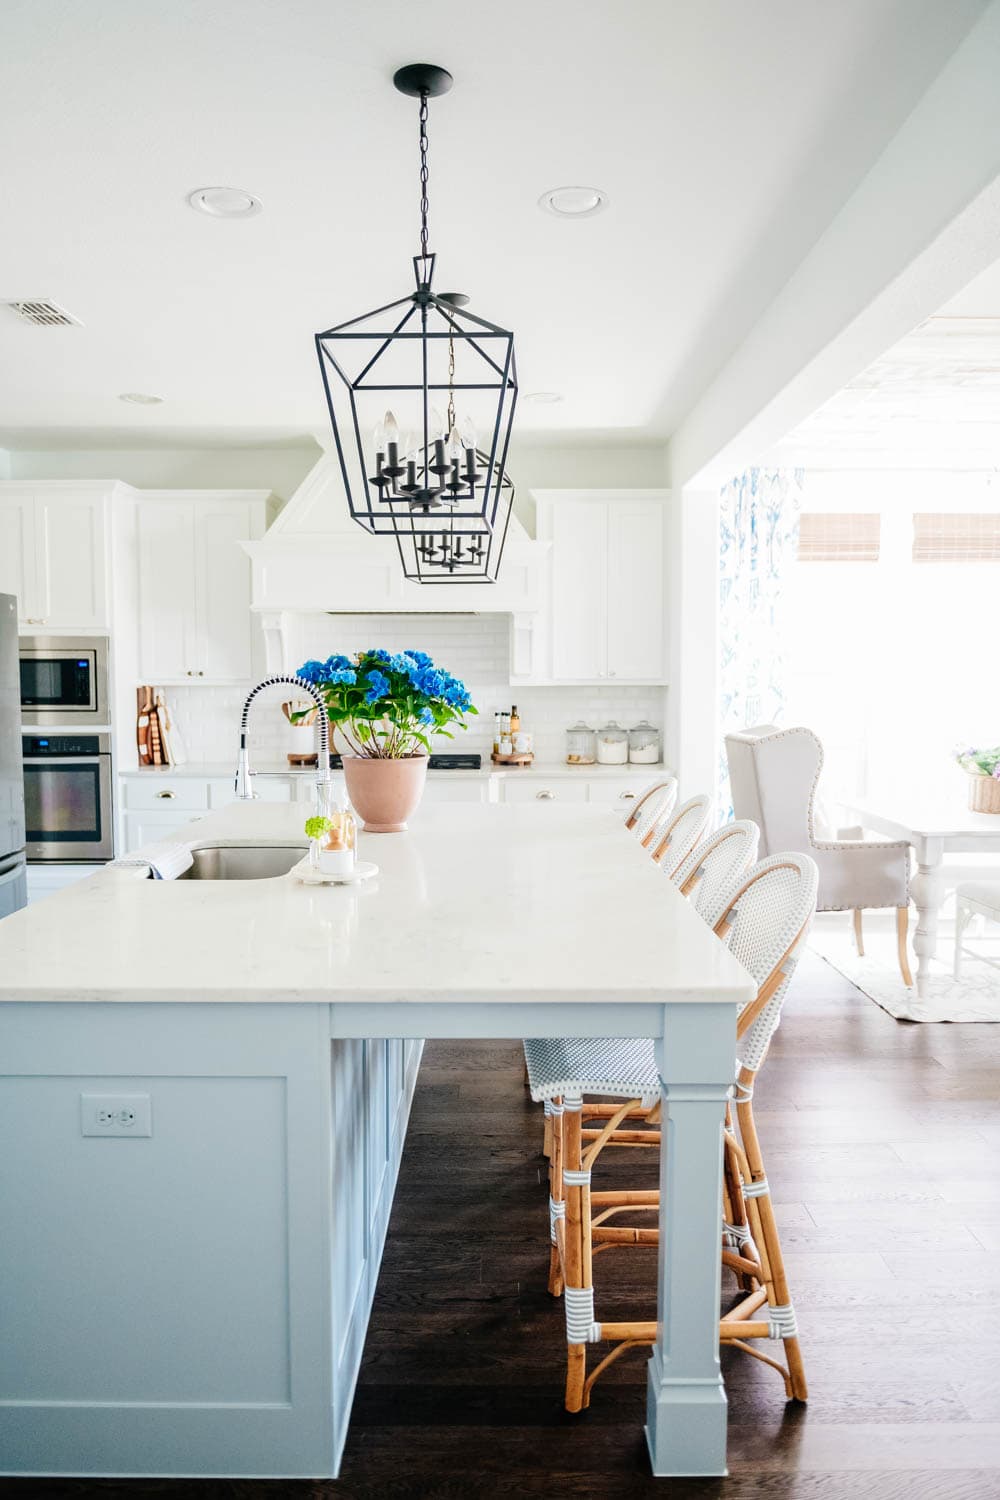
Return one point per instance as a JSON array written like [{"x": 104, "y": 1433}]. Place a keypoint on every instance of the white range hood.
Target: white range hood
[{"x": 315, "y": 558}]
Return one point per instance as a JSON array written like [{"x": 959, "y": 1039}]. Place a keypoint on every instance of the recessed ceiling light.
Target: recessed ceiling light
[
  {"x": 140, "y": 398},
  {"x": 574, "y": 202},
  {"x": 225, "y": 202},
  {"x": 544, "y": 398}
]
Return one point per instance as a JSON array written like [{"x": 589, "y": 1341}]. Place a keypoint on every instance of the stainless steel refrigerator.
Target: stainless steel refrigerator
[{"x": 13, "y": 863}]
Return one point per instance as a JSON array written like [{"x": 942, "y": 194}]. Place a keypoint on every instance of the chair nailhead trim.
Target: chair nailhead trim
[
  {"x": 576, "y": 1179},
  {"x": 580, "y": 1325},
  {"x": 557, "y": 1210},
  {"x": 756, "y": 1189},
  {"x": 781, "y": 1322}
]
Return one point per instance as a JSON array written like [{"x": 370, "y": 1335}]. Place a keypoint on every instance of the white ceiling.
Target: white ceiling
[
  {"x": 726, "y": 134},
  {"x": 932, "y": 401}
]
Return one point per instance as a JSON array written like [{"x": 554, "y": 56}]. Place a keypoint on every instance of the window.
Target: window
[
  {"x": 839, "y": 536},
  {"x": 944, "y": 537}
]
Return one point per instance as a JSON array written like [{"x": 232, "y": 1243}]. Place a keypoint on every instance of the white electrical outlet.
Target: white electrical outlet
[{"x": 116, "y": 1114}]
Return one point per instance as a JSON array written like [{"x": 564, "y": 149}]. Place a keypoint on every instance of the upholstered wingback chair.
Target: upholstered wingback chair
[{"x": 773, "y": 774}]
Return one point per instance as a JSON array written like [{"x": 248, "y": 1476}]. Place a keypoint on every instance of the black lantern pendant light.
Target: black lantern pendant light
[{"x": 421, "y": 394}]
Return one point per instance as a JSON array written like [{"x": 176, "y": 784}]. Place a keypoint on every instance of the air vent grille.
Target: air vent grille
[{"x": 44, "y": 314}]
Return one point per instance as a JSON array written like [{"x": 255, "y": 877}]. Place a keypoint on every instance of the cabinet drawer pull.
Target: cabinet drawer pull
[
  {"x": 166, "y": 796},
  {"x": 544, "y": 796},
  {"x": 189, "y": 672},
  {"x": 626, "y": 796}
]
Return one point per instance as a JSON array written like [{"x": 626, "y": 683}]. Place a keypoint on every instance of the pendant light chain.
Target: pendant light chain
[{"x": 424, "y": 205}]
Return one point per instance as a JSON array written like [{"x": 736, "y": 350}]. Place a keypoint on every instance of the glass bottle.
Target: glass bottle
[{"x": 335, "y": 850}]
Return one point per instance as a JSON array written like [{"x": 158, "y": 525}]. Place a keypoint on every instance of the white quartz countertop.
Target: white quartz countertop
[
  {"x": 536, "y": 902},
  {"x": 538, "y": 770}
]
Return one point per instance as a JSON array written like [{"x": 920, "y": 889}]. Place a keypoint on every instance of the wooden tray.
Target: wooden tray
[{"x": 524, "y": 759}]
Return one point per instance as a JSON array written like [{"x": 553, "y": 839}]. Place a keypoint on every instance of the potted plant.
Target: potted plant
[
  {"x": 983, "y": 767},
  {"x": 385, "y": 706}
]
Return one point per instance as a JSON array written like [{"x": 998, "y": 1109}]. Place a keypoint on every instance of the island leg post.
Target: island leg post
[{"x": 686, "y": 1401}]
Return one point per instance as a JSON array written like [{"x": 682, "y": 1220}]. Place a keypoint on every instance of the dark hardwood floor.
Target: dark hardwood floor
[{"x": 882, "y": 1142}]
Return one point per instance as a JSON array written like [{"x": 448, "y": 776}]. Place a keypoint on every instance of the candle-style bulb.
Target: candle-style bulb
[
  {"x": 468, "y": 433},
  {"x": 454, "y": 445},
  {"x": 380, "y": 438},
  {"x": 391, "y": 427},
  {"x": 437, "y": 427}
]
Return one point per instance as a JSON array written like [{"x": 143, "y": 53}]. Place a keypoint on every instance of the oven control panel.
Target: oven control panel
[{"x": 41, "y": 746}]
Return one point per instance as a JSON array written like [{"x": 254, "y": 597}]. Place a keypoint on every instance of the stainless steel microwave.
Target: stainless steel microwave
[{"x": 64, "y": 681}]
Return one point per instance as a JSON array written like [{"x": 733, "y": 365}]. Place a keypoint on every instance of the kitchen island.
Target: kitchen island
[{"x": 193, "y": 1300}]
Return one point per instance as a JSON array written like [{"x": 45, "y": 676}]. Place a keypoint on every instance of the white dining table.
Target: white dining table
[
  {"x": 483, "y": 922},
  {"x": 935, "y": 827}
]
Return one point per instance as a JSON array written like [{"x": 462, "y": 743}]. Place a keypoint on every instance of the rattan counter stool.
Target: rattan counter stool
[
  {"x": 765, "y": 922},
  {"x": 707, "y": 877},
  {"x": 671, "y": 845},
  {"x": 654, "y": 805}
]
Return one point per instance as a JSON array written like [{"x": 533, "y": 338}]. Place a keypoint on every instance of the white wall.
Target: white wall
[
  {"x": 261, "y": 467},
  {"x": 585, "y": 464}
]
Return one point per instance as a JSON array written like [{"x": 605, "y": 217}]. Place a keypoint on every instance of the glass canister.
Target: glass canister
[
  {"x": 643, "y": 744},
  {"x": 612, "y": 745},
  {"x": 581, "y": 745}
]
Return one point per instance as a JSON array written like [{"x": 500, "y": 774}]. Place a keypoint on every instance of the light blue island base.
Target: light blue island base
[{"x": 194, "y": 1301}]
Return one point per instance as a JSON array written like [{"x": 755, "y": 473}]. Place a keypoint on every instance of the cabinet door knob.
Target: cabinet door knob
[
  {"x": 626, "y": 796},
  {"x": 167, "y": 796},
  {"x": 544, "y": 796},
  {"x": 199, "y": 674}
]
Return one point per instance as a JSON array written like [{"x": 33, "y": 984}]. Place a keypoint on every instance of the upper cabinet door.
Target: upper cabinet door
[
  {"x": 71, "y": 561},
  {"x": 636, "y": 635},
  {"x": 222, "y": 581},
  {"x": 579, "y": 532},
  {"x": 166, "y": 592},
  {"x": 17, "y": 551}
]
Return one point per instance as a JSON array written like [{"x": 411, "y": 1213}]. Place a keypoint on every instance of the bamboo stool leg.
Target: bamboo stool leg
[
  {"x": 557, "y": 1203},
  {"x": 573, "y": 1268},
  {"x": 782, "y": 1314}
]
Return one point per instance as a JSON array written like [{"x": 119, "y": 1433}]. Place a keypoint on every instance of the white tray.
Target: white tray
[{"x": 303, "y": 872}]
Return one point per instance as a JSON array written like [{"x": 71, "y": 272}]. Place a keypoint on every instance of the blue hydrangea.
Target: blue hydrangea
[
  {"x": 312, "y": 671},
  {"x": 403, "y": 663},
  {"x": 339, "y": 664},
  {"x": 378, "y": 686},
  {"x": 425, "y": 716},
  {"x": 377, "y": 654},
  {"x": 346, "y": 675},
  {"x": 421, "y": 658}
]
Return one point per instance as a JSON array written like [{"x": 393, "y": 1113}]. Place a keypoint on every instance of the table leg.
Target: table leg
[
  {"x": 685, "y": 1399},
  {"x": 925, "y": 889}
]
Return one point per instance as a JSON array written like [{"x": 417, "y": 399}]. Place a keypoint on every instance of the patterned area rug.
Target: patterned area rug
[{"x": 975, "y": 997}]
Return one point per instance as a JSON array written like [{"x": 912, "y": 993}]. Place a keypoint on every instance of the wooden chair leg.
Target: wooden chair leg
[
  {"x": 902, "y": 923},
  {"x": 859, "y": 941}
]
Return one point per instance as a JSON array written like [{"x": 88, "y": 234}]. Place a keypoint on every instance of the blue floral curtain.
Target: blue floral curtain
[{"x": 758, "y": 541}]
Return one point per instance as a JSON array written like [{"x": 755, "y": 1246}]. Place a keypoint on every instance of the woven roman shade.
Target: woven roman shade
[
  {"x": 956, "y": 536},
  {"x": 839, "y": 536}
]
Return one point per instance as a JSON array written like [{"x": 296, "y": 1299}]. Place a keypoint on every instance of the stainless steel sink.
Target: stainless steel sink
[{"x": 244, "y": 861}]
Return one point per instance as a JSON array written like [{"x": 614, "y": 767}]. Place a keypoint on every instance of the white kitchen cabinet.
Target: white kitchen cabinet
[
  {"x": 140, "y": 828},
  {"x": 533, "y": 789},
  {"x": 194, "y": 586},
  {"x": 54, "y": 554},
  {"x": 605, "y": 611}
]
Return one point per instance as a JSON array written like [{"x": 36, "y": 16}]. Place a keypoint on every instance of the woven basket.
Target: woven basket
[{"x": 984, "y": 794}]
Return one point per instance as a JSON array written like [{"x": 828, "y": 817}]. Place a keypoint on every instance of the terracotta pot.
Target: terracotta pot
[{"x": 384, "y": 793}]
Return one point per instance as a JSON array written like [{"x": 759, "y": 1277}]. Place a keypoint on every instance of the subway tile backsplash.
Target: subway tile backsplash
[{"x": 473, "y": 647}]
